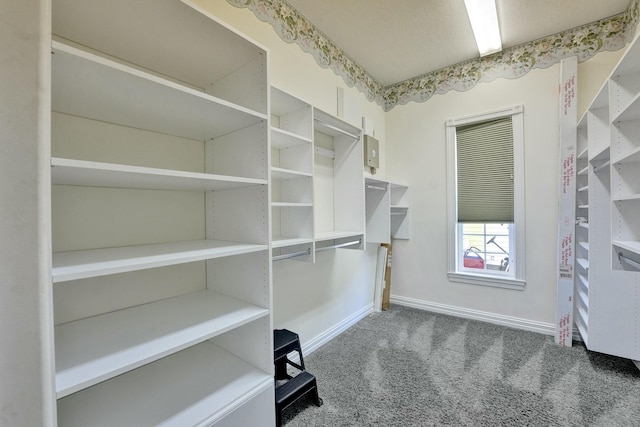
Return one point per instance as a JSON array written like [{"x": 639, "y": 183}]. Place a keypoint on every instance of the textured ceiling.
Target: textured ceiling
[{"x": 395, "y": 40}]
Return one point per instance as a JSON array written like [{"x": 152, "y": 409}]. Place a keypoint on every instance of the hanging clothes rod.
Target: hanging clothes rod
[
  {"x": 291, "y": 255},
  {"x": 375, "y": 187},
  {"x": 628, "y": 260},
  {"x": 336, "y": 129},
  {"x": 339, "y": 245}
]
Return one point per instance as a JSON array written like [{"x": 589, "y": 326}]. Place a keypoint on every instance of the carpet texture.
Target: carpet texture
[{"x": 408, "y": 367}]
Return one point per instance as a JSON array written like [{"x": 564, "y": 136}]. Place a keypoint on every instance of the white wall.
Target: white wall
[
  {"x": 313, "y": 299},
  {"x": 26, "y": 349},
  {"x": 416, "y": 156}
]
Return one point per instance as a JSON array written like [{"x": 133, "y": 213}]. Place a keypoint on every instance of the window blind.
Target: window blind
[{"x": 484, "y": 156}]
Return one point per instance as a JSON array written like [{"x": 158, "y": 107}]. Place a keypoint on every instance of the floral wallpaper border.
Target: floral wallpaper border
[{"x": 607, "y": 34}]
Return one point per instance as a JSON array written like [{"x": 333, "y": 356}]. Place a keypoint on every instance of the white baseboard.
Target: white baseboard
[
  {"x": 326, "y": 336},
  {"x": 498, "y": 319}
]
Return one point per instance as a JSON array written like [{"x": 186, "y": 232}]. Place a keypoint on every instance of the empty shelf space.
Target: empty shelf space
[
  {"x": 631, "y": 111},
  {"x": 583, "y": 206},
  {"x": 583, "y": 298},
  {"x": 100, "y": 262},
  {"x": 628, "y": 245},
  {"x": 585, "y": 188},
  {"x": 584, "y": 225},
  {"x": 583, "y": 282},
  {"x": 582, "y": 262},
  {"x": 583, "y": 171},
  {"x": 92, "y": 350},
  {"x": 601, "y": 155},
  {"x": 333, "y": 126},
  {"x": 582, "y": 327},
  {"x": 281, "y": 242},
  {"x": 583, "y": 315},
  {"x": 584, "y": 245},
  {"x": 280, "y": 173},
  {"x": 583, "y": 154},
  {"x": 85, "y": 84},
  {"x": 196, "y": 386},
  {"x": 632, "y": 157},
  {"x": 97, "y": 174},
  {"x": 281, "y": 139}
]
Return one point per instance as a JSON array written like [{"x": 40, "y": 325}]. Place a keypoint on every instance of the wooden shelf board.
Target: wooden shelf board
[
  {"x": 584, "y": 316},
  {"x": 97, "y": 174},
  {"x": 281, "y": 242},
  {"x": 582, "y": 328},
  {"x": 584, "y": 282},
  {"x": 196, "y": 386},
  {"x": 83, "y": 85},
  {"x": 333, "y": 126},
  {"x": 100, "y": 262},
  {"x": 583, "y": 225},
  {"x": 281, "y": 139},
  {"x": 583, "y": 171},
  {"x": 585, "y": 188},
  {"x": 584, "y": 245},
  {"x": 631, "y": 246},
  {"x": 95, "y": 349},
  {"x": 280, "y": 173}
]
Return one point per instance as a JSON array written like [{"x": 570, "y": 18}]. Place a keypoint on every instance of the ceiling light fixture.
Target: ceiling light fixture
[{"x": 484, "y": 22}]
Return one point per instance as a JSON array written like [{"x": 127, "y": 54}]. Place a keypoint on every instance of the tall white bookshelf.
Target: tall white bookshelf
[
  {"x": 387, "y": 211},
  {"x": 608, "y": 280},
  {"x": 160, "y": 216}
]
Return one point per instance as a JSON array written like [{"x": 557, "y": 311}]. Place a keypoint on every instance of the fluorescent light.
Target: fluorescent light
[{"x": 484, "y": 22}]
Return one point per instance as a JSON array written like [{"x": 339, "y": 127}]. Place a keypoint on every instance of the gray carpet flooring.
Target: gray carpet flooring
[{"x": 408, "y": 367}]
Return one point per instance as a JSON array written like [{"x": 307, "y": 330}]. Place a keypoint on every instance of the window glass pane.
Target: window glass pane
[{"x": 486, "y": 247}]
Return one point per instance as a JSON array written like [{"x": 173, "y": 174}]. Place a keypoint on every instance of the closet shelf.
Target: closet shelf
[
  {"x": 630, "y": 111},
  {"x": 97, "y": 174},
  {"x": 585, "y": 188},
  {"x": 583, "y": 171},
  {"x": 584, "y": 283},
  {"x": 196, "y": 386},
  {"x": 333, "y": 126},
  {"x": 583, "y": 225},
  {"x": 584, "y": 245},
  {"x": 582, "y": 262},
  {"x": 83, "y": 82},
  {"x": 631, "y": 246},
  {"x": 602, "y": 155},
  {"x": 281, "y": 139},
  {"x": 280, "y": 173},
  {"x": 291, "y": 205},
  {"x": 101, "y": 262},
  {"x": 337, "y": 234},
  {"x": 632, "y": 157},
  {"x": 583, "y": 154},
  {"x": 626, "y": 197},
  {"x": 88, "y": 352},
  {"x": 281, "y": 242}
]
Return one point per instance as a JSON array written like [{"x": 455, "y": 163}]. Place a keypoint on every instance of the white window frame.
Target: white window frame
[{"x": 455, "y": 273}]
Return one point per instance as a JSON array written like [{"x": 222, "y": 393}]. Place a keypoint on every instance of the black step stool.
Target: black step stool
[{"x": 285, "y": 342}]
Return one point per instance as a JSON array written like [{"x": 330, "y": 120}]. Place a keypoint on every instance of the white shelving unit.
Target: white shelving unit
[
  {"x": 387, "y": 210},
  {"x": 291, "y": 176},
  {"x": 608, "y": 279},
  {"x": 400, "y": 221},
  {"x": 338, "y": 183},
  {"x": 160, "y": 216}
]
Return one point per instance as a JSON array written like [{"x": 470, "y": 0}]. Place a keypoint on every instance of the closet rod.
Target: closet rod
[
  {"x": 628, "y": 260},
  {"x": 375, "y": 187},
  {"x": 291, "y": 255},
  {"x": 340, "y": 245},
  {"x": 337, "y": 129}
]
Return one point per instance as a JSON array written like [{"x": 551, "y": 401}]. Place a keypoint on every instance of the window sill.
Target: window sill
[{"x": 487, "y": 280}]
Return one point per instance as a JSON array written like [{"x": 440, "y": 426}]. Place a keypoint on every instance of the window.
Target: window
[{"x": 485, "y": 159}]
